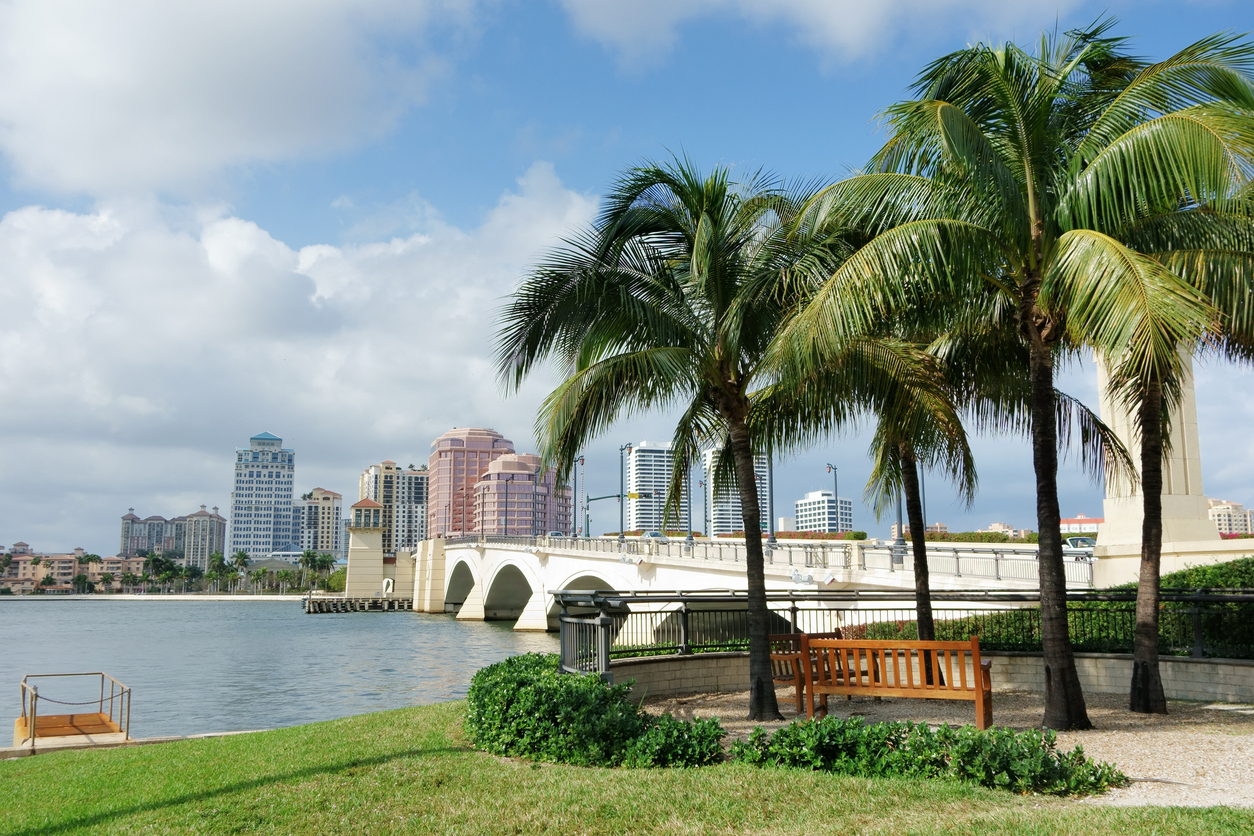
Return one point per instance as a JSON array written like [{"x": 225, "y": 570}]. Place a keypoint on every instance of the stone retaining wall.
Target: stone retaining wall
[
  {"x": 1184, "y": 678},
  {"x": 661, "y": 676}
]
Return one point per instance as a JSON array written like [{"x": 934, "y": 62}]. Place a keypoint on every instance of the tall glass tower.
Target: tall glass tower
[{"x": 261, "y": 502}]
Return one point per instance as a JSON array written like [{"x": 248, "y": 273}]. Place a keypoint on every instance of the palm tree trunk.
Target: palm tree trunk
[
  {"x": 762, "y": 703},
  {"x": 918, "y": 542},
  {"x": 1147, "y": 684},
  {"x": 1064, "y": 698}
]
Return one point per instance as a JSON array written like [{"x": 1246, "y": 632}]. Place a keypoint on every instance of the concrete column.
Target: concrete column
[
  {"x": 433, "y": 578},
  {"x": 1185, "y": 517},
  {"x": 535, "y": 616},
  {"x": 472, "y": 609}
]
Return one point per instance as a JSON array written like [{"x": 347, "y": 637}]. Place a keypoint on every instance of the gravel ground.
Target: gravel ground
[{"x": 1200, "y": 754}]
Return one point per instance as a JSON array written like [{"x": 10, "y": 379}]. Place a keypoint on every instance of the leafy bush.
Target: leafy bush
[
  {"x": 978, "y": 537},
  {"x": 337, "y": 580},
  {"x": 523, "y": 707},
  {"x": 1001, "y": 758}
]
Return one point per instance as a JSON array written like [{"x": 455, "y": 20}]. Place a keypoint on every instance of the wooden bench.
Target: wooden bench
[
  {"x": 897, "y": 669},
  {"x": 786, "y": 664}
]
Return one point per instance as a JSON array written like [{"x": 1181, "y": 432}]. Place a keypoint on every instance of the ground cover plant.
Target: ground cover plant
[
  {"x": 1022, "y": 762},
  {"x": 411, "y": 771},
  {"x": 523, "y": 707}
]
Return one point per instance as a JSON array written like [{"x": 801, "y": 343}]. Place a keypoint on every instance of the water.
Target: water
[{"x": 211, "y": 666}]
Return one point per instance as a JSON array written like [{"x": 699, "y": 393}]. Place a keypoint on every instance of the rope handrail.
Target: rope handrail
[{"x": 39, "y": 696}]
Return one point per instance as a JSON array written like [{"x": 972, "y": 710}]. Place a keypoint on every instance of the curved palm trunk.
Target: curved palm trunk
[
  {"x": 762, "y": 703},
  {"x": 918, "y": 543},
  {"x": 1147, "y": 684},
  {"x": 1064, "y": 698}
]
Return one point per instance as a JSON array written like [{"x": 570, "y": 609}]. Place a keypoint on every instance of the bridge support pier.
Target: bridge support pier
[
  {"x": 472, "y": 608},
  {"x": 535, "y": 616}
]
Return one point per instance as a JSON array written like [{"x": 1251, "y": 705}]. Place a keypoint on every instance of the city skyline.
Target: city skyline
[{"x": 383, "y": 179}]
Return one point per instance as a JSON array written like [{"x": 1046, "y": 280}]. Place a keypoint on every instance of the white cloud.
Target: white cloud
[
  {"x": 114, "y": 96},
  {"x": 642, "y": 31},
  {"x": 140, "y": 346}
]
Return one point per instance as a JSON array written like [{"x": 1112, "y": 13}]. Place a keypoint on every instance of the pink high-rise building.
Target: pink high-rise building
[
  {"x": 511, "y": 500},
  {"x": 459, "y": 458}
]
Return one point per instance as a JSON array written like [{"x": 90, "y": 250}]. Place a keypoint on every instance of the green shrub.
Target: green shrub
[
  {"x": 337, "y": 580},
  {"x": 524, "y": 707},
  {"x": 1001, "y": 758}
]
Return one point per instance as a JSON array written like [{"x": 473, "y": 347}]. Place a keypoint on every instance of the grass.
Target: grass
[{"x": 409, "y": 771}]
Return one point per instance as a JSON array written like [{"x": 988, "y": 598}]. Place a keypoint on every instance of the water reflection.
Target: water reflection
[{"x": 202, "y": 666}]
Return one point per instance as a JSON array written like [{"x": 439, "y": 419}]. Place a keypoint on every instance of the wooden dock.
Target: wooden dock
[{"x": 329, "y": 604}]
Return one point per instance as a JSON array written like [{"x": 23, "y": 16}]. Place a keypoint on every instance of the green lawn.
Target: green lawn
[{"x": 409, "y": 771}]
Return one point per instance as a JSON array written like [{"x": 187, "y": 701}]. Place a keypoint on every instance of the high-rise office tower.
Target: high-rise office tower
[
  {"x": 261, "y": 503},
  {"x": 459, "y": 458},
  {"x": 649, "y": 470},
  {"x": 820, "y": 511},
  {"x": 724, "y": 511},
  {"x": 403, "y": 495},
  {"x": 321, "y": 517}
]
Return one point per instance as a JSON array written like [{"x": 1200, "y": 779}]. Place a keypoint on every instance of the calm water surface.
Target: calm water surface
[{"x": 209, "y": 666}]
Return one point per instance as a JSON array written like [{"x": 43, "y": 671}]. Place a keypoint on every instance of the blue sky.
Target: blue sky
[{"x": 299, "y": 217}]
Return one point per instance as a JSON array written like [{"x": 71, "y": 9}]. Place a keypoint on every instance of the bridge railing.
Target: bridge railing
[
  {"x": 597, "y": 627},
  {"x": 992, "y": 562}
]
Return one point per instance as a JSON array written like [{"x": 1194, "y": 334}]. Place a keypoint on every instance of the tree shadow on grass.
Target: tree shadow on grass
[{"x": 241, "y": 786}]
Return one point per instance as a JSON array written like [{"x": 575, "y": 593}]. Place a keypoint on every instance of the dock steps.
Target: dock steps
[{"x": 334, "y": 605}]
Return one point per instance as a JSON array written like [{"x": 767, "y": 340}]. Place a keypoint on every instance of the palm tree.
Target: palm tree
[
  {"x": 1014, "y": 171},
  {"x": 673, "y": 299},
  {"x": 106, "y": 578},
  {"x": 258, "y": 576},
  {"x": 240, "y": 561},
  {"x": 217, "y": 568}
]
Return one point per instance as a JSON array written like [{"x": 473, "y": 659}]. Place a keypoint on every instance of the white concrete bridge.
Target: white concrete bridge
[{"x": 510, "y": 578}]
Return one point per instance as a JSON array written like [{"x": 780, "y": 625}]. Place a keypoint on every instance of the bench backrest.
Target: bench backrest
[
  {"x": 897, "y": 667},
  {"x": 786, "y": 648}
]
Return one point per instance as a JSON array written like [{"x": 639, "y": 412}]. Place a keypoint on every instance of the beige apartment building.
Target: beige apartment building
[
  {"x": 1230, "y": 517},
  {"x": 403, "y": 494},
  {"x": 23, "y": 574},
  {"x": 459, "y": 459},
  {"x": 321, "y": 524},
  {"x": 204, "y": 534}
]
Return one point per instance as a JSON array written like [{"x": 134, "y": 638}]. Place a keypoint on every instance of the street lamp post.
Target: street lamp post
[
  {"x": 831, "y": 468},
  {"x": 574, "y": 499},
  {"x": 535, "y": 487},
  {"x": 688, "y": 485},
  {"x": 899, "y": 544},
  {"x": 622, "y": 491},
  {"x": 770, "y": 499}
]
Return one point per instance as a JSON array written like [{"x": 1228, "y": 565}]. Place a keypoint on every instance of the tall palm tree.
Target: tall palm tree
[
  {"x": 106, "y": 578},
  {"x": 672, "y": 299},
  {"x": 1012, "y": 171},
  {"x": 240, "y": 561}
]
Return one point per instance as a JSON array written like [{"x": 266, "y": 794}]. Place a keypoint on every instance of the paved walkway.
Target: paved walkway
[{"x": 1200, "y": 754}]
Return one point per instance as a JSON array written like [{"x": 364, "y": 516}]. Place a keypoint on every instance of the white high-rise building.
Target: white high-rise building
[
  {"x": 817, "y": 511},
  {"x": 649, "y": 470},
  {"x": 724, "y": 511},
  {"x": 403, "y": 495},
  {"x": 262, "y": 521},
  {"x": 321, "y": 529}
]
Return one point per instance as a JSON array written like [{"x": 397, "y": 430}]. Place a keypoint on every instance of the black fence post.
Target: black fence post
[
  {"x": 1198, "y": 650},
  {"x": 604, "y": 623},
  {"x": 685, "y": 641}
]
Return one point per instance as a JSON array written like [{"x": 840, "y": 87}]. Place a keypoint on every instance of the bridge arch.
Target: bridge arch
[
  {"x": 507, "y": 594},
  {"x": 461, "y": 580}
]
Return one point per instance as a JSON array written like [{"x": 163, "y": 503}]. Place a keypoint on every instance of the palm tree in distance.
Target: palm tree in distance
[
  {"x": 106, "y": 578},
  {"x": 1017, "y": 172},
  {"x": 240, "y": 562}
]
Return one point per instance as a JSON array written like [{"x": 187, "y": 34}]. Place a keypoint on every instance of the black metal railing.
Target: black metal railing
[{"x": 597, "y": 627}]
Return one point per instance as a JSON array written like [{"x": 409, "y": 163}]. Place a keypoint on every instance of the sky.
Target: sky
[{"x": 219, "y": 218}]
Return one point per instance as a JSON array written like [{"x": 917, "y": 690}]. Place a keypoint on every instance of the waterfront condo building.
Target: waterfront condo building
[
  {"x": 1230, "y": 517},
  {"x": 724, "y": 510},
  {"x": 1080, "y": 524},
  {"x": 403, "y": 495},
  {"x": 261, "y": 502},
  {"x": 204, "y": 534},
  {"x": 459, "y": 458},
  {"x": 321, "y": 523},
  {"x": 514, "y": 498},
  {"x": 152, "y": 535},
  {"x": 649, "y": 470},
  {"x": 820, "y": 511}
]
